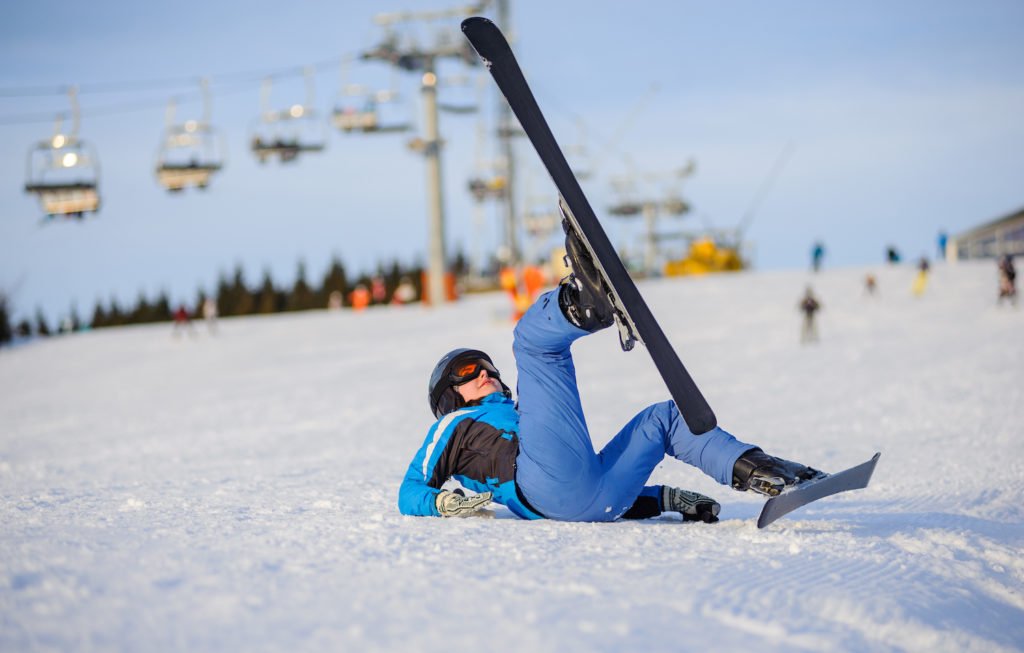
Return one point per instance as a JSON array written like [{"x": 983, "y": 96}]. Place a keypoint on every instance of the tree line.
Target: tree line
[{"x": 234, "y": 296}]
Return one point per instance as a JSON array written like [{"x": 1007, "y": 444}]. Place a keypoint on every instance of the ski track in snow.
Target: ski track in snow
[{"x": 238, "y": 492}]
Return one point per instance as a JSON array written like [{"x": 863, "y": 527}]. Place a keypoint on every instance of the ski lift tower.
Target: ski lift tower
[
  {"x": 669, "y": 202},
  {"x": 410, "y": 57}
]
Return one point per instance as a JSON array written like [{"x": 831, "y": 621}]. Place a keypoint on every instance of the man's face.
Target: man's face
[{"x": 479, "y": 387}]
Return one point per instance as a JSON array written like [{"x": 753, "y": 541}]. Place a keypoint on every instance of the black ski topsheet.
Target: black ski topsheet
[
  {"x": 854, "y": 478},
  {"x": 491, "y": 45}
]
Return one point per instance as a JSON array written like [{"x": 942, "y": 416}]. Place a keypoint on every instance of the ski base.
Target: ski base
[
  {"x": 854, "y": 478},
  {"x": 633, "y": 317}
]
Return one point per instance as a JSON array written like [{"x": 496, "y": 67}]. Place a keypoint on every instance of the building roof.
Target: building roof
[{"x": 998, "y": 222}]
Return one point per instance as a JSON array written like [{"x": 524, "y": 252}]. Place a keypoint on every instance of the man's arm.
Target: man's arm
[
  {"x": 415, "y": 497},
  {"x": 420, "y": 493}
]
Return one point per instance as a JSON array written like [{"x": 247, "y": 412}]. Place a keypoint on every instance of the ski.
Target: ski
[
  {"x": 854, "y": 478},
  {"x": 632, "y": 315}
]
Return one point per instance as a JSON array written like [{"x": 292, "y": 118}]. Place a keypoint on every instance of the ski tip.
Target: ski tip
[
  {"x": 475, "y": 22},
  {"x": 701, "y": 421}
]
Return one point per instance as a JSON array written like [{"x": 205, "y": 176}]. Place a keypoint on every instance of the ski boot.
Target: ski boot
[
  {"x": 755, "y": 470},
  {"x": 583, "y": 297},
  {"x": 692, "y": 505}
]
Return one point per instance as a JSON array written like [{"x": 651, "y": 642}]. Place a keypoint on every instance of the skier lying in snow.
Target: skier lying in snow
[{"x": 536, "y": 457}]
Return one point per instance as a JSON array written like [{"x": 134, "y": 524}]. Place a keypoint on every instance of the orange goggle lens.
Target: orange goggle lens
[{"x": 469, "y": 370}]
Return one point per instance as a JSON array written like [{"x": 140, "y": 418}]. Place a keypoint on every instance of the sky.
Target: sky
[{"x": 893, "y": 122}]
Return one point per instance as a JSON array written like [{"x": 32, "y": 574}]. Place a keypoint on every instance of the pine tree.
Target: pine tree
[
  {"x": 75, "y": 322},
  {"x": 162, "y": 308},
  {"x": 114, "y": 315},
  {"x": 266, "y": 297},
  {"x": 334, "y": 281},
  {"x": 99, "y": 317},
  {"x": 245, "y": 305},
  {"x": 142, "y": 313},
  {"x": 460, "y": 264},
  {"x": 5, "y": 321},
  {"x": 41, "y": 327},
  {"x": 225, "y": 304},
  {"x": 238, "y": 300},
  {"x": 301, "y": 297}
]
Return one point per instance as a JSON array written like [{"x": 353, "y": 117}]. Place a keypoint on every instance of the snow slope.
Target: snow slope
[{"x": 237, "y": 492}]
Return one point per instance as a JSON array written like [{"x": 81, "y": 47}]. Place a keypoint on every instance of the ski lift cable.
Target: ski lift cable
[
  {"x": 766, "y": 185},
  {"x": 167, "y": 82},
  {"x": 240, "y": 81},
  {"x": 112, "y": 109},
  {"x": 96, "y": 87},
  {"x": 609, "y": 145}
]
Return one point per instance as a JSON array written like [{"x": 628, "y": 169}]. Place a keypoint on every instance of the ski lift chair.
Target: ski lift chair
[
  {"x": 190, "y": 152},
  {"x": 482, "y": 189},
  {"x": 176, "y": 177},
  {"x": 626, "y": 209},
  {"x": 466, "y": 101},
  {"x": 63, "y": 173},
  {"x": 675, "y": 205},
  {"x": 369, "y": 119},
  {"x": 287, "y": 133},
  {"x": 350, "y": 119}
]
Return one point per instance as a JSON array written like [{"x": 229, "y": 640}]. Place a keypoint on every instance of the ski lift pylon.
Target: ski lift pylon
[{"x": 63, "y": 171}]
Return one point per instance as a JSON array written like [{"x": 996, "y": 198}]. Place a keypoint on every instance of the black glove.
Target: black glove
[
  {"x": 694, "y": 506},
  {"x": 755, "y": 470}
]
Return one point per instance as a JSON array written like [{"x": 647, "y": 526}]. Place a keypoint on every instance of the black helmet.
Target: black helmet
[{"x": 441, "y": 392}]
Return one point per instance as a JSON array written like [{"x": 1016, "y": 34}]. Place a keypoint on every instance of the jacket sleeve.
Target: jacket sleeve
[{"x": 416, "y": 496}]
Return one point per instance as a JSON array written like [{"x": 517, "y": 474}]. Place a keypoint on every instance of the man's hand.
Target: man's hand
[{"x": 456, "y": 504}]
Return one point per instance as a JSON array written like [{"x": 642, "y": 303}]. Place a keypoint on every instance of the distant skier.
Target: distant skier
[
  {"x": 870, "y": 284},
  {"x": 536, "y": 456},
  {"x": 360, "y": 298},
  {"x": 809, "y": 306},
  {"x": 378, "y": 290},
  {"x": 921, "y": 278},
  {"x": 210, "y": 315},
  {"x": 1007, "y": 280},
  {"x": 405, "y": 293},
  {"x": 892, "y": 255},
  {"x": 182, "y": 322},
  {"x": 817, "y": 254}
]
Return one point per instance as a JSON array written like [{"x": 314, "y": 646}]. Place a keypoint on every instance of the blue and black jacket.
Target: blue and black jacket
[{"x": 477, "y": 446}]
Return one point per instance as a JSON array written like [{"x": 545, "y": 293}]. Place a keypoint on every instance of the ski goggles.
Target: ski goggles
[{"x": 463, "y": 371}]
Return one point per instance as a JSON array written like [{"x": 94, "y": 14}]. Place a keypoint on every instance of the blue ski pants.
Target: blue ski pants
[{"x": 558, "y": 470}]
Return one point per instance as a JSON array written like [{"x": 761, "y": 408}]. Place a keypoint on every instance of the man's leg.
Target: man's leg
[
  {"x": 628, "y": 460},
  {"x": 557, "y": 469}
]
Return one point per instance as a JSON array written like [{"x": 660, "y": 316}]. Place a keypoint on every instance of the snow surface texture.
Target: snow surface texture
[{"x": 237, "y": 492}]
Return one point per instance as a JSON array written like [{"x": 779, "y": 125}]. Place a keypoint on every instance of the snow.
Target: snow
[{"x": 237, "y": 491}]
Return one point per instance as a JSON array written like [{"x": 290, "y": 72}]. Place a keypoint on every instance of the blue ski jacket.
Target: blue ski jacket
[{"x": 477, "y": 446}]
